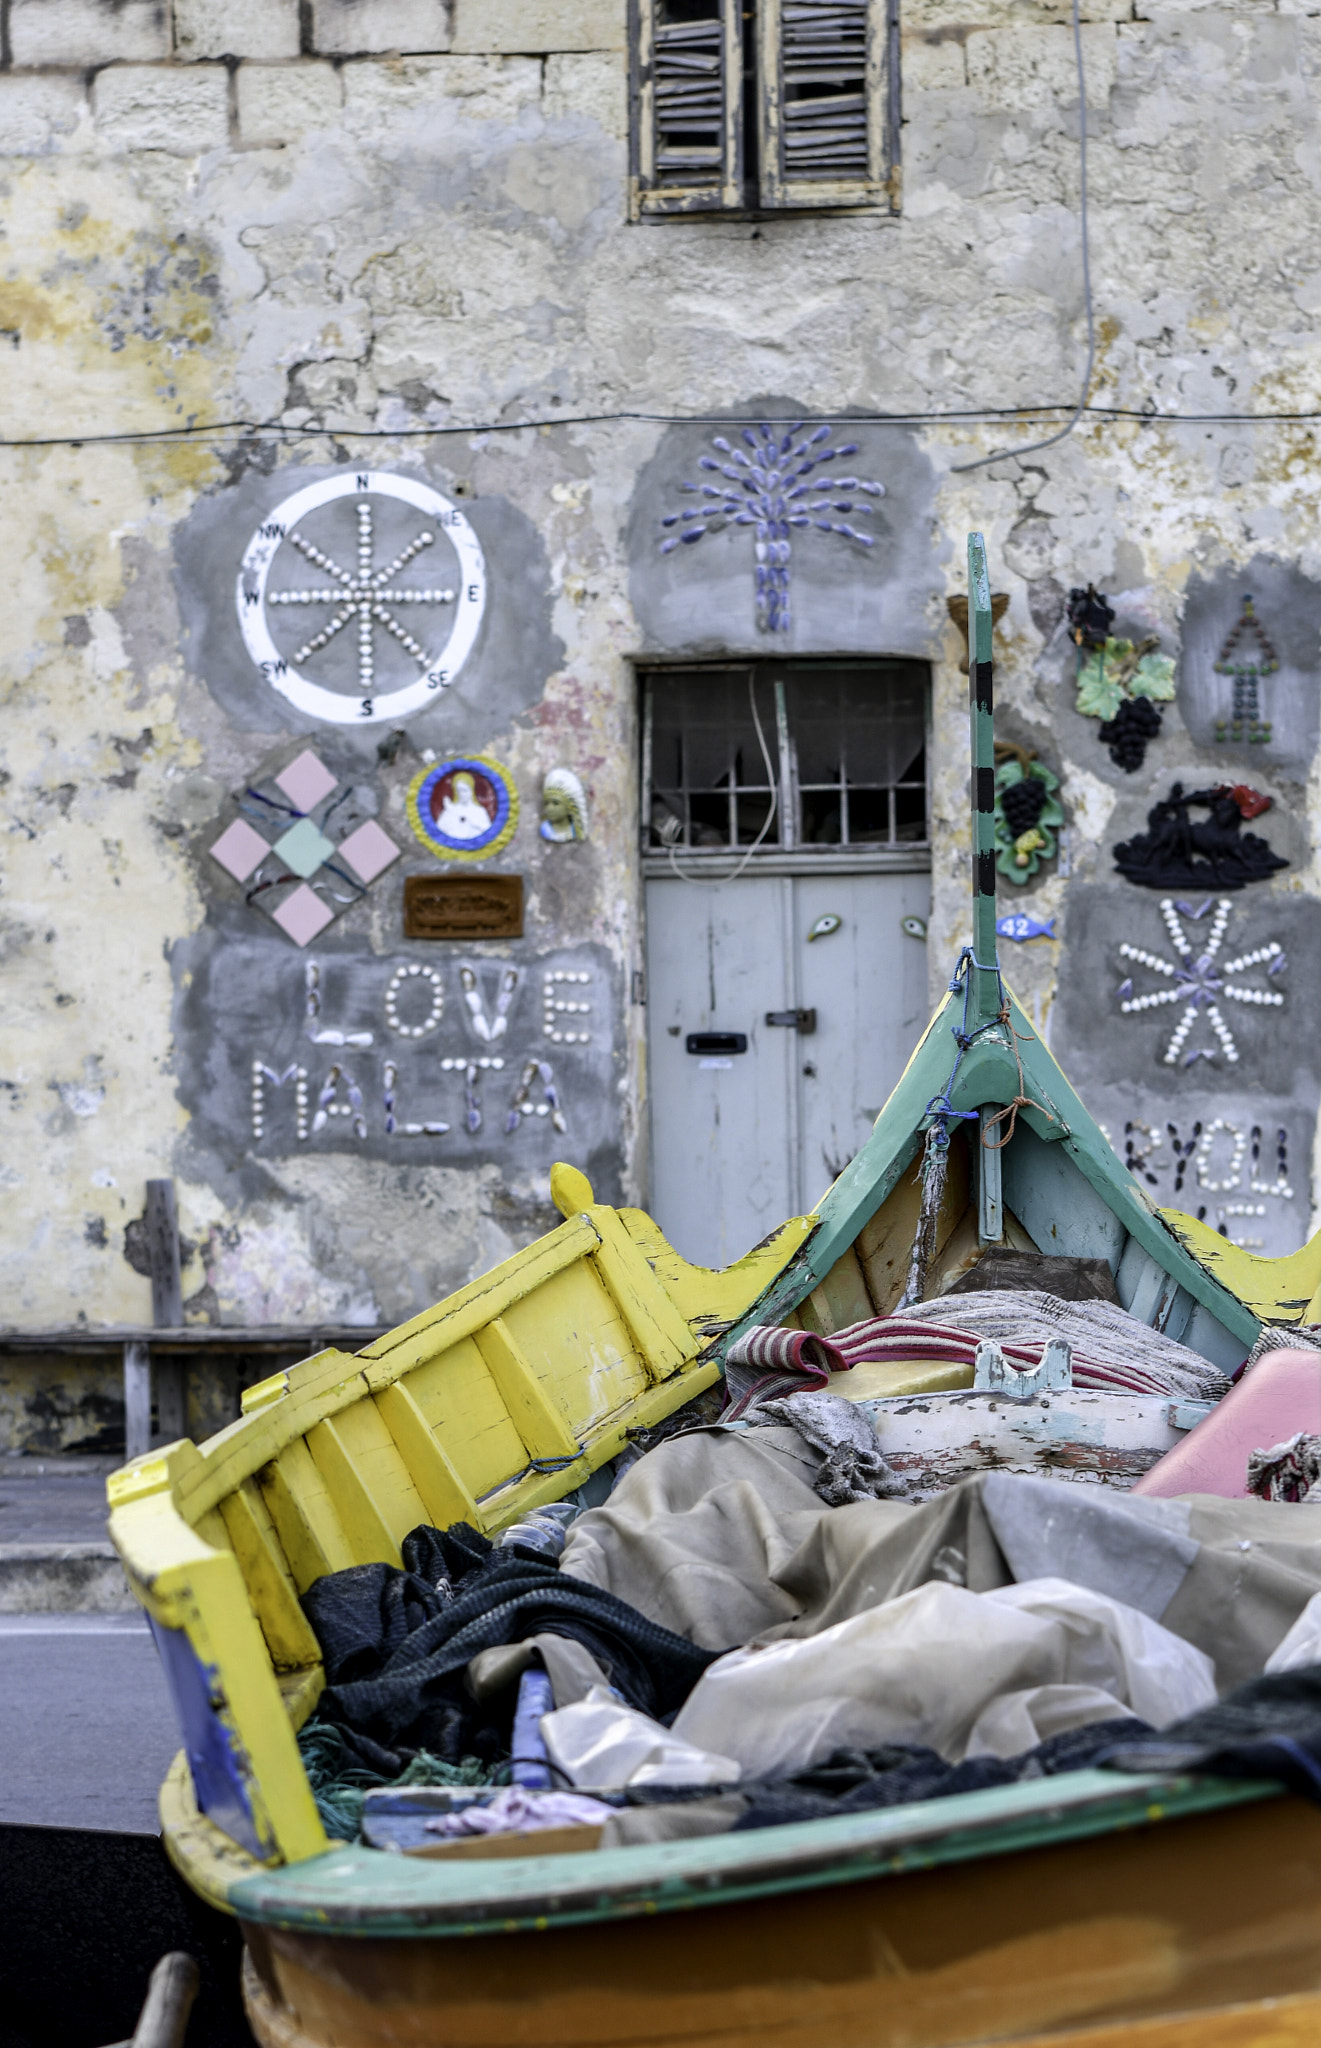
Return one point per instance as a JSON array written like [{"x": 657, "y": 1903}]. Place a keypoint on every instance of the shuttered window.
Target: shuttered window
[
  {"x": 687, "y": 60},
  {"x": 752, "y": 106}
]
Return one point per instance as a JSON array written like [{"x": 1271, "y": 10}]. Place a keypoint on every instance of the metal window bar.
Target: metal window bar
[{"x": 702, "y": 767}]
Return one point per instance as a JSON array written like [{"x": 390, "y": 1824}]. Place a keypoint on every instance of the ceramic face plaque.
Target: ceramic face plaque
[
  {"x": 465, "y": 808},
  {"x": 360, "y": 597}
]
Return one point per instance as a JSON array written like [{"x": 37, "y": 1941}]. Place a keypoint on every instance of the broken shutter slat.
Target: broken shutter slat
[
  {"x": 823, "y": 102},
  {"x": 686, "y": 107}
]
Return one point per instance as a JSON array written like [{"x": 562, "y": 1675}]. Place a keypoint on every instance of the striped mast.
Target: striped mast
[{"x": 983, "y": 969}]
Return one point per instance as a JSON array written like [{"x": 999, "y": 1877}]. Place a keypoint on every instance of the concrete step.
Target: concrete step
[
  {"x": 55, "y": 1556},
  {"x": 63, "y": 1578}
]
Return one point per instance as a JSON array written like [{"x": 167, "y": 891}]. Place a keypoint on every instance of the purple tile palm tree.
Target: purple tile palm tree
[{"x": 773, "y": 487}]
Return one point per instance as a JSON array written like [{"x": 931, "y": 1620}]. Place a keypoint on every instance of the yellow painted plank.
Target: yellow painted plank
[
  {"x": 320, "y": 1387},
  {"x": 1285, "y": 1290},
  {"x": 539, "y": 1422},
  {"x": 710, "y": 1298},
  {"x": 381, "y": 1467},
  {"x": 369, "y": 1536},
  {"x": 534, "y": 1489},
  {"x": 660, "y": 1332},
  {"x": 200, "y": 1592},
  {"x": 443, "y": 1493},
  {"x": 578, "y": 1346},
  {"x": 289, "y": 1637},
  {"x": 884, "y": 1379},
  {"x": 211, "y": 1528},
  {"x": 323, "y": 1386},
  {"x": 308, "y": 1528},
  {"x": 463, "y": 1408},
  {"x": 461, "y": 1314}
]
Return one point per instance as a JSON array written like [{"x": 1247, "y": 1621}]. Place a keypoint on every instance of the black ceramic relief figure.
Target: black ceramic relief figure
[{"x": 1179, "y": 852}]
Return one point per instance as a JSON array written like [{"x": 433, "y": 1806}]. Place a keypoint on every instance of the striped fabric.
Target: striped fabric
[
  {"x": 1113, "y": 1353},
  {"x": 766, "y": 1362}
]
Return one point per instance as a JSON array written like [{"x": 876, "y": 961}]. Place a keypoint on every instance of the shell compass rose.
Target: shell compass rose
[{"x": 392, "y": 612}]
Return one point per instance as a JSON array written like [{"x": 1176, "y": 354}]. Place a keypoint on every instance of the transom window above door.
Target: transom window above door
[
  {"x": 762, "y": 106},
  {"x": 772, "y": 757}
]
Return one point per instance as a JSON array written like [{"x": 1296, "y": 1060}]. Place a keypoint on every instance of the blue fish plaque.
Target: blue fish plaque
[{"x": 1019, "y": 926}]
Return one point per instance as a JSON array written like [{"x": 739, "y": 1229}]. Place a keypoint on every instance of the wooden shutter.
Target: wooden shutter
[
  {"x": 687, "y": 127},
  {"x": 823, "y": 102}
]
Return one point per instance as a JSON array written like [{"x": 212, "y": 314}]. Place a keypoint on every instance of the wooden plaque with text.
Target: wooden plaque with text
[{"x": 463, "y": 906}]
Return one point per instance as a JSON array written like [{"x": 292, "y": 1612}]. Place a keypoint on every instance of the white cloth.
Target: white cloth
[
  {"x": 601, "y": 1742},
  {"x": 965, "y": 1673},
  {"x": 1302, "y": 1645},
  {"x": 517, "y": 1811}
]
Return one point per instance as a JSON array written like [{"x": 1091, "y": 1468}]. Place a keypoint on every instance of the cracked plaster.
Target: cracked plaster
[{"x": 448, "y": 245}]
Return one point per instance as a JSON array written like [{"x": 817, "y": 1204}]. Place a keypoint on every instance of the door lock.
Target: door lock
[{"x": 794, "y": 1020}]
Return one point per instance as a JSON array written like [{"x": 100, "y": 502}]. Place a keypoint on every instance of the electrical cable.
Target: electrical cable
[
  {"x": 713, "y": 881},
  {"x": 1034, "y": 447},
  {"x": 1146, "y": 415}
]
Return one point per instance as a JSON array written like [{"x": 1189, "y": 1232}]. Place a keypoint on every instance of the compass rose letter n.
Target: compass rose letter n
[{"x": 412, "y": 636}]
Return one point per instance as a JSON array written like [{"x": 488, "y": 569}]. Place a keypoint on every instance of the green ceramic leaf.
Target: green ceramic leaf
[
  {"x": 1099, "y": 696},
  {"x": 1154, "y": 678}
]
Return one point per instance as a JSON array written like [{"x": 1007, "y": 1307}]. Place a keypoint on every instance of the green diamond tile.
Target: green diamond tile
[{"x": 303, "y": 848}]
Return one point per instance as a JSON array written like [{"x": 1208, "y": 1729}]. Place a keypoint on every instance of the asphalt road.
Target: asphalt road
[
  {"x": 53, "y": 1500},
  {"x": 86, "y": 1727}
]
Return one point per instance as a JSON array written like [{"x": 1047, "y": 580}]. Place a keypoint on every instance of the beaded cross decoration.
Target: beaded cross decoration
[{"x": 1246, "y": 721}]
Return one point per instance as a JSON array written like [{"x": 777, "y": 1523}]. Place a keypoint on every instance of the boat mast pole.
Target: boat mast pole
[{"x": 983, "y": 968}]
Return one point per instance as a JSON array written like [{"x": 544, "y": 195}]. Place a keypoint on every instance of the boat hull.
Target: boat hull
[{"x": 1203, "y": 1930}]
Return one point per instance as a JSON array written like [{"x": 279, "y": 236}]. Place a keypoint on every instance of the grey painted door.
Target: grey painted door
[{"x": 742, "y": 1139}]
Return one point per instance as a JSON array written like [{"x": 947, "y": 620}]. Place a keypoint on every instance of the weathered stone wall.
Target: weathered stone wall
[{"x": 392, "y": 217}]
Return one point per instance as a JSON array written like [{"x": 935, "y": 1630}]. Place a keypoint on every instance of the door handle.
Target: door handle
[{"x": 794, "y": 1020}]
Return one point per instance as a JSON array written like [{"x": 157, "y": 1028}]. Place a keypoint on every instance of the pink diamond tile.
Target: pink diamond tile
[
  {"x": 306, "y": 780},
  {"x": 302, "y": 915},
  {"x": 240, "y": 849},
  {"x": 368, "y": 851}
]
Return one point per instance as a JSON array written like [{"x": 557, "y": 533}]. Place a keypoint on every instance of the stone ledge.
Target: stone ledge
[
  {"x": 366, "y": 28},
  {"x": 534, "y": 28},
  {"x": 235, "y": 28},
  {"x": 63, "y": 1578},
  {"x": 43, "y": 115},
  {"x": 147, "y": 106},
  {"x": 278, "y": 103},
  {"x": 87, "y": 32}
]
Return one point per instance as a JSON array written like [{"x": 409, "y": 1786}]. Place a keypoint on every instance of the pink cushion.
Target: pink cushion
[{"x": 1279, "y": 1397}]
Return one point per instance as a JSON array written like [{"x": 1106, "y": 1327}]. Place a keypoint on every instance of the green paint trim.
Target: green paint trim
[
  {"x": 988, "y": 1075},
  {"x": 364, "y": 1894},
  {"x": 984, "y": 973}
]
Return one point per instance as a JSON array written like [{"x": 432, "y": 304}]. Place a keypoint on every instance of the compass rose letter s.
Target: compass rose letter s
[{"x": 366, "y": 641}]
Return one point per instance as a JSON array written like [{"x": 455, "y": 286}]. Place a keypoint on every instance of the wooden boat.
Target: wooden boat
[{"x": 1109, "y": 1909}]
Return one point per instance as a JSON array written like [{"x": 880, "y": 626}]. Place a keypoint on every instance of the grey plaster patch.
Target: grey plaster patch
[
  {"x": 1262, "y": 1220},
  {"x": 505, "y": 674},
  {"x": 1288, "y": 605},
  {"x": 846, "y": 598},
  {"x": 1117, "y": 1062},
  {"x": 240, "y": 997}
]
